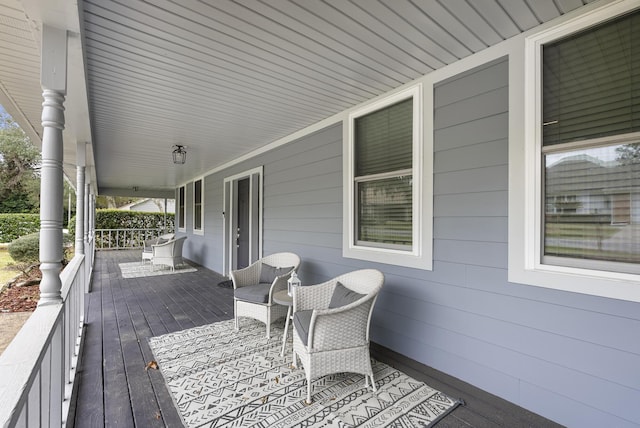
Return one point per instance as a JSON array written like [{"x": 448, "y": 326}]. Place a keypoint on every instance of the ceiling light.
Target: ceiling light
[{"x": 179, "y": 154}]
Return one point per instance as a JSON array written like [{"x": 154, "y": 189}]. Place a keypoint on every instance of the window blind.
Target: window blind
[
  {"x": 181, "y": 210},
  {"x": 197, "y": 206},
  {"x": 384, "y": 211},
  {"x": 384, "y": 139},
  {"x": 591, "y": 83}
]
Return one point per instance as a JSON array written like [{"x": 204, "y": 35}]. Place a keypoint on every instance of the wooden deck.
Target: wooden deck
[{"x": 115, "y": 389}]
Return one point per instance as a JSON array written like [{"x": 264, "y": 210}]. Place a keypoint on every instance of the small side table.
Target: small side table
[{"x": 282, "y": 298}]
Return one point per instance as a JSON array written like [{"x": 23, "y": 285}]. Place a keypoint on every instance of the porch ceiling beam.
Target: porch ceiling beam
[
  {"x": 66, "y": 14},
  {"x": 137, "y": 192}
]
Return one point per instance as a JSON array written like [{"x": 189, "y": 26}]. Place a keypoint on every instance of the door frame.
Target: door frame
[{"x": 230, "y": 204}]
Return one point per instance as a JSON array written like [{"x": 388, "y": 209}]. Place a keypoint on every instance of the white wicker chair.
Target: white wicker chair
[
  {"x": 168, "y": 253},
  {"x": 147, "y": 251},
  {"x": 254, "y": 299},
  {"x": 333, "y": 336}
]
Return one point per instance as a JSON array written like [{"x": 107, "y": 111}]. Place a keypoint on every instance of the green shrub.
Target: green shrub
[
  {"x": 26, "y": 249},
  {"x": 13, "y": 226},
  {"x": 115, "y": 219}
]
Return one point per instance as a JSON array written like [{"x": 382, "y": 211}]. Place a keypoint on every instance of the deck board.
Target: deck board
[{"x": 115, "y": 390}]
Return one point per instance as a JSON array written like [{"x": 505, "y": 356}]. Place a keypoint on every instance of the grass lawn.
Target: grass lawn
[{"x": 6, "y": 274}]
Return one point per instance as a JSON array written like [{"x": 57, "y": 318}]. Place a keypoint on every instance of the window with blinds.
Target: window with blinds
[
  {"x": 181, "y": 208},
  {"x": 383, "y": 154},
  {"x": 591, "y": 147},
  {"x": 197, "y": 205}
]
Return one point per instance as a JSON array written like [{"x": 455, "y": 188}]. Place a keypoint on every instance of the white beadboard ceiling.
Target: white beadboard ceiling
[{"x": 226, "y": 78}]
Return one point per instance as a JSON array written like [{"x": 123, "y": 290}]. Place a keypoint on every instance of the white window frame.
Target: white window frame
[
  {"x": 201, "y": 230},
  {"x": 525, "y": 160},
  {"x": 420, "y": 255},
  {"x": 182, "y": 215}
]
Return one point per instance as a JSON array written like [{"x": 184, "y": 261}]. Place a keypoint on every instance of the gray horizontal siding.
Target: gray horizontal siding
[
  {"x": 570, "y": 357},
  {"x": 510, "y": 339}
]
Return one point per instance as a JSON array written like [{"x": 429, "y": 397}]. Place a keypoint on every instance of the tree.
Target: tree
[
  {"x": 69, "y": 195},
  {"x": 628, "y": 154},
  {"x": 113, "y": 202},
  {"x": 19, "y": 164}
]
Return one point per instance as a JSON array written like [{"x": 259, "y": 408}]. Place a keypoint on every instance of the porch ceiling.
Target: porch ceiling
[{"x": 226, "y": 78}]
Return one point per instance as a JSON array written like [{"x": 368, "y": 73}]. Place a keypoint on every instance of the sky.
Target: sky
[{"x": 2, "y": 113}]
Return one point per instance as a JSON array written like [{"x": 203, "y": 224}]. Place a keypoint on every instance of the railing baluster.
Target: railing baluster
[
  {"x": 38, "y": 367},
  {"x": 58, "y": 375},
  {"x": 118, "y": 239}
]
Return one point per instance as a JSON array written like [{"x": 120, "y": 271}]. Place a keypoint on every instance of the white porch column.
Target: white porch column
[
  {"x": 80, "y": 208},
  {"x": 54, "y": 84},
  {"x": 87, "y": 196},
  {"x": 92, "y": 215},
  {"x": 165, "y": 216}
]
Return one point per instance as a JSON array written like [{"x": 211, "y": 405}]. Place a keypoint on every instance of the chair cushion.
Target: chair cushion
[
  {"x": 268, "y": 273},
  {"x": 301, "y": 322},
  {"x": 258, "y": 293},
  {"x": 342, "y": 296}
]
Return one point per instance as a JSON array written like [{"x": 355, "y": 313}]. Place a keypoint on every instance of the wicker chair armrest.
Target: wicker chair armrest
[
  {"x": 247, "y": 276},
  {"x": 280, "y": 283},
  {"x": 164, "y": 249},
  {"x": 343, "y": 327},
  {"x": 164, "y": 244}
]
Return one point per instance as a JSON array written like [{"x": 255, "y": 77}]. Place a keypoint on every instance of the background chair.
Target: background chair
[
  {"x": 168, "y": 253},
  {"x": 255, "y": 285},
  {"x": 331, "y": 325},
  {"x": 147, "y": 251}
]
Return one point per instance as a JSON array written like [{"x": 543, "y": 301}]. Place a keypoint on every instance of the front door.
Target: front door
[{"x": 242, "y": 219}]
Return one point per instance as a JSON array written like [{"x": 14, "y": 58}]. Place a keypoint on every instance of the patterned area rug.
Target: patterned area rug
[
  {"x": 137, "y": 269},
  {"x": 222, "y": 378}
]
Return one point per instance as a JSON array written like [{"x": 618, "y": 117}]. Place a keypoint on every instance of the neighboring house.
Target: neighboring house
[
  {"x": 582, "y": 185},
  {"x": 150, "y": 205}
]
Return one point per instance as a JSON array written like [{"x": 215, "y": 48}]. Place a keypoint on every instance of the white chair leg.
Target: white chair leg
[
  {"x": 235, "y": 316},
  {"x": 268, "y": 323},
  {"x": 373, "y": 384},
  {"x": 308, "y": 390}
]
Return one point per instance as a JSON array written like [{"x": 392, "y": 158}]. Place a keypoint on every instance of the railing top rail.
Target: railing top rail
[
  {"x": 70, "y": 272},
  {"x": 154, "y": 229}
]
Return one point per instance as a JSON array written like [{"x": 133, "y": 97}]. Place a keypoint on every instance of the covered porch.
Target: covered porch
[
  {"x": 268, "y": 99},
  {"x": 115, "y": 389}
]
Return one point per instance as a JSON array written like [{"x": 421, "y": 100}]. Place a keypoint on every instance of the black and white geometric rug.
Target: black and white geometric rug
[{"x": 222, "y": 378}]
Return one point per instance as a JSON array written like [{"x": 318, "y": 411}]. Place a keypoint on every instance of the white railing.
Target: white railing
[
  {"x": 122, "y": 239},
  {"x": 38, "y": 368}
]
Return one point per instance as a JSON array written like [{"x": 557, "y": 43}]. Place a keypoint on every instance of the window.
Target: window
[
  {"x": 384, "y": 203},
  {"x": 590, "y": 147},
  {"x": 198, "y": 203},
  {"x": 576, "y": 215},
  {"x": 181, "y": 209}
]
